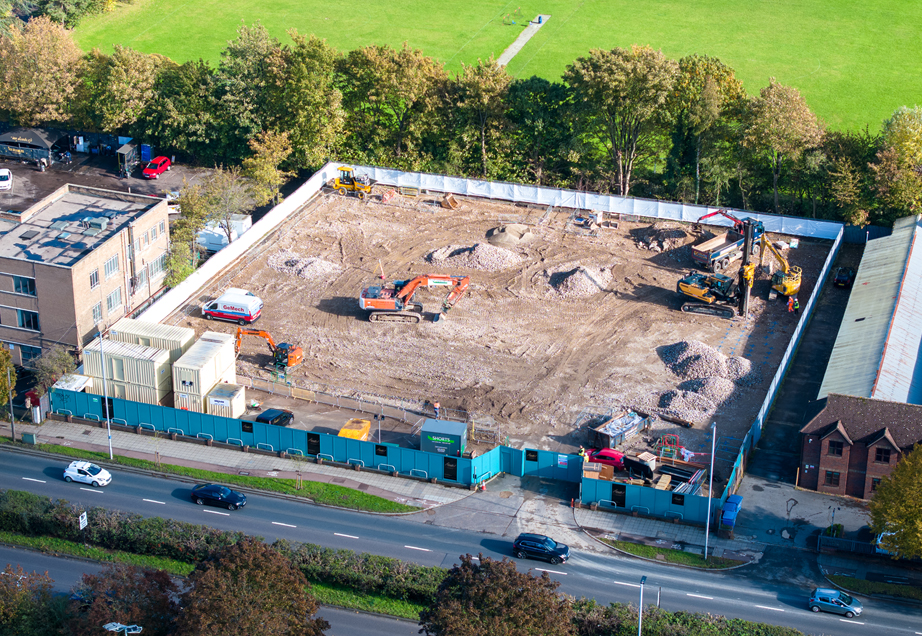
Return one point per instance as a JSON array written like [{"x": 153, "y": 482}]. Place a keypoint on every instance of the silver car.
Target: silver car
[{"x": 87, "y": 473}]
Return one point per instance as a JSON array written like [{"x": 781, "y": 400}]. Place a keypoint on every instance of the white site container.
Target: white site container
[
  {"x": 128, "y": 363},
  {"x": 188, "y": 402},
  {"x": 175, "y": 340},
  {"x": 226, "y": 400},
  {"x": 133, "y": 392},
  {"x": 210, "y": 361}
]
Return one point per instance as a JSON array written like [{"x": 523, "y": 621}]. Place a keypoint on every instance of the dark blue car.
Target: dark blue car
[{"x": 217, "y": 495}]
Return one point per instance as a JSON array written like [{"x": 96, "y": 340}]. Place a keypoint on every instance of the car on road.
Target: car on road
[
  {"x": 608, "y": 456},
  {"x": 830, "y": 600},
  {"x": 87, "y": 473},
  {"x": 844, "y": 277},
  {"x": 156, "y": 167},
  {"x": 6, "y": 179},
  {"x": 538, "y": 546},
  {"x": 218, "y": 495},
  {"x": 276, "y": 417}
]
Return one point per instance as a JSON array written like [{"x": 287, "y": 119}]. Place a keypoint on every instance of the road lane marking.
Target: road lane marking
[
  {"x": 348, "y": 536},
  {"x": 162, "y": 503},
  {"x": 41, "y": 481},
  {"x": 628, "y": 584},
  {"x": 287, "y": 525},
  {"x": 710, "y": 598},
  {"x": 215, "y": 512},
  {"x": 551, "y": 571},
  {"x": 90, "y": 489},
  {"x": 413, "y": 547},
  {"x": 845, "y": 620},
  {"x": 776, "y": 609}
]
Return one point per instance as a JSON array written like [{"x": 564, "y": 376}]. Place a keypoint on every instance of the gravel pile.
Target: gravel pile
[
  {"x": 693, "y": 359},
  {"x": 681, "y": 400},
  {"x": 481, "y": 256},
  {"x": 660, "y": 237},
  {"x": 288, "y": 262},
  {"x": 717, "y": 390},
  {"x": 740, "y": 371},
  {"x": 581, "y": 282}
]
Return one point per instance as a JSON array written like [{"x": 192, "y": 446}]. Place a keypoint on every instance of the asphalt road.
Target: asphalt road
[{"x": 605, "y": 578}]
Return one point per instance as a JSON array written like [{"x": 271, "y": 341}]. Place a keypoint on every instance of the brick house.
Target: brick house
[{"x": 852, "y": 442}]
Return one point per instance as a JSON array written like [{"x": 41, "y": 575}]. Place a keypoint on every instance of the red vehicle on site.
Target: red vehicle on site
[
  {"x": 608, "y": 456},
  {"x": 156, "y": 167}
]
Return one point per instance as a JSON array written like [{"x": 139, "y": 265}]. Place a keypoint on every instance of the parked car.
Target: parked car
[
  {"x": 6, "y": 179},
  {"x": 87, "y": 473},
  {"x": 608, "y": 456},
  {"x": 830, "y": 600},
  {"x": 276, "y": 417},
  {"x": 217, "y": 495},
  {"x": 844, "y": 277},
  {"x": 538, "y": 546},
  {"x": 156, "y": 167}
]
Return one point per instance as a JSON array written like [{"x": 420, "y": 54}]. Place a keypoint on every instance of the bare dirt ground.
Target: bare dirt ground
[{"x": 569, "y": 323}]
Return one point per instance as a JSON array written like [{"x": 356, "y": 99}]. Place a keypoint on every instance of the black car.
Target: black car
[
  {"x": 538, "y": 546},
  {"x": 277, "y": 417},
  {"x": 218, "y": 495},
  {"x": 844, "y": 277}
]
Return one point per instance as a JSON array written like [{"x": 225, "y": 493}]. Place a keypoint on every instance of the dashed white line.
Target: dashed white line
[
  {"x": 710, "y": 598},
  {"x": 551, "y": 571},
  {"x": 348, "y": 536},
  {"x": 41, "y": 481},
  {"x": 627, "y": 584},
  {"x": 91, "y": 489},
  {"x": 287, "y": 525},
  {"x": 774, "y": 609},
  {"x": 413, "y": 547},
  {"x": 845, "y": 620},
  {"x": 162, "y": 503},
  {"x": 215, "y": 512}
]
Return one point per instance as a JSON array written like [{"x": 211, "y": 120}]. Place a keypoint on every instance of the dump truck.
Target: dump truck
[{"x": 716, "y": 254}]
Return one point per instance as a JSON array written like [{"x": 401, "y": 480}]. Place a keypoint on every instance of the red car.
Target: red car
[
  {"x": 156, "y": 167},
  {"x": 608, "y": 456}
]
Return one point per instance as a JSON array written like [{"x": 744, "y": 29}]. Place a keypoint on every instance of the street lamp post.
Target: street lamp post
[
  {"x": 643, "y": 580},
  {"x": 10, "y": 387},
  {"x": 707, "y": 521},
  {"x": 105, "y": 395}
]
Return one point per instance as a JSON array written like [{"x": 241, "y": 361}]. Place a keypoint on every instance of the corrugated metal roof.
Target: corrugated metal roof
[
  {"x": 206, "y": 349},
  {"x": 871, "y": 316},
  {"x": 127, "y": 350},
  {"x": 153, "y": 330}
]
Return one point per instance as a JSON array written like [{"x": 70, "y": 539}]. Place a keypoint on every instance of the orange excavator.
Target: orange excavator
[
  {"x": 284, "y": 355},
  {"x": 394, "y": 302}
]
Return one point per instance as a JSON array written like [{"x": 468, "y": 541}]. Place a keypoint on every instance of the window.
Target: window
[
  {"x": 835, "y": 448},
  {"x": 24, "y": 285},
  {"x": 157, "y": 265},
  {"x": 832, "y": 478},
  {"x": 29, "y": 354},
  {"x": 531, "y": 455},
  {"x": 27, "y": 319},
  {"x": 162, "y": 227},
  {"x": 114, "y": 300},
  {"x": 111, "y": 267},
  {"x": 153, "y": 234},
  {"x": 94, "y": 279},
  {"x": 678, "y": 500},
  {"x": 875, "y": 483},
  {"x": 97, "y": 313},
  {"x": 882, "y": 455},
  {"x": 144, "y": 240},
  {"x": 141, "y": 281}
]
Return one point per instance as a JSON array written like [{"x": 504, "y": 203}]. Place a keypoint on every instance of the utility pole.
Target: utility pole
[
  {"x": 707, "y": 521},
  {"x": 643, "y": 580},
  {"x": 105, "y": 395},
  {"x": 10, "y": 387}
]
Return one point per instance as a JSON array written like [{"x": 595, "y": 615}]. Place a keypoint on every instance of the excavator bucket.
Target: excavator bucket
[{"x": 449, "y": 202}]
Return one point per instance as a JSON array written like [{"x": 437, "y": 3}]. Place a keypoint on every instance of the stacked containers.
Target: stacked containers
[
  {"x": 132, "y": 372},
  {"x": 208, "y": 362},
  {"x": 226, "y": 400},
  {"x": 175, "y": 340}
]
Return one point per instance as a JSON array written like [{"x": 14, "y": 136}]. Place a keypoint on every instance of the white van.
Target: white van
[{"x": 235, "y": 305}]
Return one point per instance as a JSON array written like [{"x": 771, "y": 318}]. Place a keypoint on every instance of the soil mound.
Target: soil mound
[
  {"x": 482, "y": 256},
  {"x": 288, "y": 262},
  {"x": 580, "y": 282},
  {"x": 511, "y": 235}
]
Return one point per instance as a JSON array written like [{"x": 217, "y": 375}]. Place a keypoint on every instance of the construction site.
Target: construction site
[{"x": 565, "y": 320}]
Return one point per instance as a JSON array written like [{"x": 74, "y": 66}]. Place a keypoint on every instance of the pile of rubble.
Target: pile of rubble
[
  {"x": 717, "y": 390},
  {"x": 289, "y": 262},
  {"x": 580, "y": 282},
  {"x": 660, "y": 237},
  {"x": 481, "y": 256},
  {"x": 693, "y": 359}
]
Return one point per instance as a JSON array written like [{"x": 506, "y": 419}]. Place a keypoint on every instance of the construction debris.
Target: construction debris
[
  {"x": 289, "y": 262},
  {"x": 579, "y": 282},
  {"x": 482, "y": 256},
  {"x": 510, "y": 235}
]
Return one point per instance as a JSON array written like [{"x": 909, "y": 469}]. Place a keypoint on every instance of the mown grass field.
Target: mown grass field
[{"x": 855, "y": 61}]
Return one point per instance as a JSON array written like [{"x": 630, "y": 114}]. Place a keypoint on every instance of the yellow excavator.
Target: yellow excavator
[
  {"x": 785, "y": 281},
  {"x": 714, "y": 294},
  {"x": 348, "y": 181}
]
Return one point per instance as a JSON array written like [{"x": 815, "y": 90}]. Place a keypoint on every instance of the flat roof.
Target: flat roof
[{"x": 70, "y": 223}]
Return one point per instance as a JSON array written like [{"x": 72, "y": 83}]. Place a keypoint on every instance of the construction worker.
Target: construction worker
[
  {"x": 437, "y": 407},
  {"x": 796, "y": 306},
  {"x": 790, "y": 304},
  {"x": 582, "y": 452}
]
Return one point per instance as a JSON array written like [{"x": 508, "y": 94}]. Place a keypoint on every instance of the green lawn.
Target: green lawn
[
  {"x": 679, "y": 557},
  {"x": 855, "y": 61}
]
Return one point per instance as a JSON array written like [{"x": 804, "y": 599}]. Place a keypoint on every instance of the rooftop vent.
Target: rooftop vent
[
  {"x": 59, "y": 225},
  {"x": 99, "y": 224},
  {"x": 93, "y": 231},
  {"x": 63, "y": 235},
  {"x": 28, "y": 236}
]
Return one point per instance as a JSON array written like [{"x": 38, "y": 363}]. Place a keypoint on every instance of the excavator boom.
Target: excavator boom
[
  {"x": 394, "y": 303},
  {"x": 788, "y": 280},
  {"x": 283, "y": 355},
  {"x": 737, "y": 224}
]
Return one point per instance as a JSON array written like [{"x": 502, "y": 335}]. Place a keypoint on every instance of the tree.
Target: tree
[
  {"x": 39, "y": 65},
  {"x": 194, "y": 211},
  {"x": 53, "y": 365},
  {"x": 781, "y": 126},
  {"x": 249, "y": 588},
  {"x": 897, "y": 507},
  {"x": 898, "y": 169},
  {"x": 226, "y": 193},
  {"x": 270, "y": 149},
  {"x": 481, "y": 101},
  {"x": 621, "y": 97},
  {"x": 7, "y": 366},
  {"x": 492, "y": 598},
  {"x": 28, "y": 606},
  {"x": 180, "y": 263},
  {"x": 125, "y": 594},
  {"x": 128, "y": 87},
  {"x": 542, "y": 133}
]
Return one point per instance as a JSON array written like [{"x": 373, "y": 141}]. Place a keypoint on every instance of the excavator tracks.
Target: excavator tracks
[
  {"x": 395, "y": 316},
  {"x": 721, "y": 311}
]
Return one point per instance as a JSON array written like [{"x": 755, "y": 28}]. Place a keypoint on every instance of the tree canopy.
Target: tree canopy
[{"x": 897, "y": 507}]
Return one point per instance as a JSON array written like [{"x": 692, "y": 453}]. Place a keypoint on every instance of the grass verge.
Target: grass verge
[
  {"x": 861, "y": 586},
  {"x": 335, "y": 595},
  {"x": 669, "y": 555},
  {"x": 329, "y": 494}
]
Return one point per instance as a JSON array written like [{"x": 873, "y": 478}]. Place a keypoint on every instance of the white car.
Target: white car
[
  {"x": 6, "y": 179},
  {"x": 87, "y": 473}
]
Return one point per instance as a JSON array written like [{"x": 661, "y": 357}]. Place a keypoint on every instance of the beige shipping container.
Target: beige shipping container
[
  {"x": 188, "y": 402},
  {"x": 127, "y": 391},
  {"x": 226, "y": 400},
  {"x": 210, "y": 361},
  {"x": 128, "y": 363},
  {"x": 174, "y": 340}
]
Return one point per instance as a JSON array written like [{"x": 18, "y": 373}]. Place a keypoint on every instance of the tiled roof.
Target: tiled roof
[{"x": 865, "y": 420}]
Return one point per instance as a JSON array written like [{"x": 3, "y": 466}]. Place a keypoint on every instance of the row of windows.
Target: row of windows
[
  {"x": 113, "y": 303},
  {"x": 832, "y": 479},
  {"x": 26, "y": 319},
  {"x": 881, "y": 455}
]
